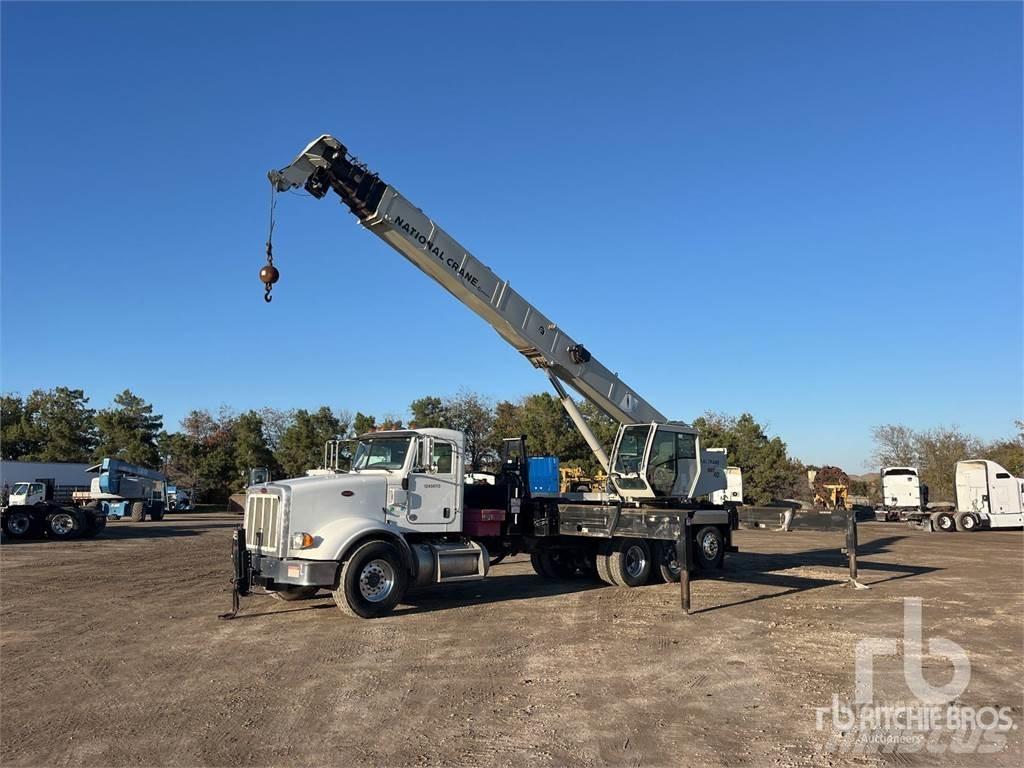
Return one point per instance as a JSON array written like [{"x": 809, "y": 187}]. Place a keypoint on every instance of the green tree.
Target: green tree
[
  {"x": 17, "y": 438},
  {"x": 250, "y": 446},
  {"x": 473, "y": 415},
  {"x": 302, "y": 444},
  {"x": 63, "y": 425},
  {"x": 362, "y": 423},
  {"x": 429, "y": 412},
  {"x": 128, "y": 430},
  {"x": 768, "y": 471}
]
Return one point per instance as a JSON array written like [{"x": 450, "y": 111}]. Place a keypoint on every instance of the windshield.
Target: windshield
[
  {"x": 631, "y": 448},
  {"x": 20, "y": 489},
  {"x": 381, "y": 453}
]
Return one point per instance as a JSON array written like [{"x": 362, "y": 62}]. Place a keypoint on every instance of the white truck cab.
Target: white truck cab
[
  {"x": 27, "y": 494},
  {"x": 988, "y": 493}
]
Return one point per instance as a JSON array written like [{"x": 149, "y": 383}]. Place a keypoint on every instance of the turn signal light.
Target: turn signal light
[{"x": 301, "y": 541}]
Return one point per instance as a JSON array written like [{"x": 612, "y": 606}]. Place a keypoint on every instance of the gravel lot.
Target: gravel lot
[{"x": 111, "y": 653}]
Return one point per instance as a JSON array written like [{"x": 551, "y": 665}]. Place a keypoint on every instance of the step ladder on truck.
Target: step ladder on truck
[{"x": 403, "y": 517}]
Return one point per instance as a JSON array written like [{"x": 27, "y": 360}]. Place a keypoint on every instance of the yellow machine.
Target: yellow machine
[
  {"x": 832, "y": 496},
  {"x": 575, "y": 480}
]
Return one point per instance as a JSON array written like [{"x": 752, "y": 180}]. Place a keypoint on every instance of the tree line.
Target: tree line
[{"x": 212, "y": 451}]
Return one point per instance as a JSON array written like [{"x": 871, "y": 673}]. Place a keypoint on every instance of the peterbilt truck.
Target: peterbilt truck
[{"x": 402, "y": 517}]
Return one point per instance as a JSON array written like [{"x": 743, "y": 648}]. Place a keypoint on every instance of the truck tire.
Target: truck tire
[
  {"x": 709, "y": 548},
  {"x": 373, "y": 581},
  {"x": 667, "y": 561},
  {"x": 539, "y": 566},
  {"x": 627, "y": 563},
  {"x": 138, "y": 513},
  {"x": 92, "y": 521},
  {"x": 64, "y": 524},
  {"x": 944, "y": 522},
  {"x": 21, "y": 523},
  {"x": 290, "y": 593},
  {"x": 967, "y": 522},
  {"x": 156, "y": 512},
  {"x": 557, "y": 565}
]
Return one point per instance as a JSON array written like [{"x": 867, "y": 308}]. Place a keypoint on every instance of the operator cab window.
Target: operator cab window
[
  {"x": 670, "y": 448},
  {"x": 631, "y": 448}
]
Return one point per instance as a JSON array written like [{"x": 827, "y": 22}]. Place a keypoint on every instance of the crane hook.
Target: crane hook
[{"x": 269, "y": 274}]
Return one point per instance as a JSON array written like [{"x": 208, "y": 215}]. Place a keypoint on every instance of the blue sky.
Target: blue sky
[{"x": 811, "y": 212}]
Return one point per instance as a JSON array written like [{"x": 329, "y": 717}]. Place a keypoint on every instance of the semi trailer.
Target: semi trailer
[{"x": 403, "y": 517}]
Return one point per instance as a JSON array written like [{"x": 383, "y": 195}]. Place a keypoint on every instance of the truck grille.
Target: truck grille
[{"x": 261, "y": 516}]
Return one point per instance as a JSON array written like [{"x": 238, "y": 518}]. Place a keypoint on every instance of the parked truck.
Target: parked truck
[
  {"x": 35, "y": 511},
  {"x": 733, "y": 491},
  {"x": 902, "y": 493},
  {"x": 122, "y": 490},
  {"x": 403, "y": 517},
  {"x": 987, "y": 496}
]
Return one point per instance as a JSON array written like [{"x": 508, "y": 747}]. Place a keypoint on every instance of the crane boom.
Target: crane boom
[
  {"x": 652, "y": 457},
  {"x": 325, "y": 164}
]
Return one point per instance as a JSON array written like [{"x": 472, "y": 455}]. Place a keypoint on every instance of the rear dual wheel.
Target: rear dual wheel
[
  {"x": 65, "y": 524},
  {"x": 625, "y": 563}
]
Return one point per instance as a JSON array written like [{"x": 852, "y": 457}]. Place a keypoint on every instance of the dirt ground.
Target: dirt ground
[{"x": 111, "y": 653}]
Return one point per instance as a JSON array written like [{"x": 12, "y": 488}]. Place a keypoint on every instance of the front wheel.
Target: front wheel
[
  {"x": 373, "y": 581},
  {"x": 19, "y": 523}
]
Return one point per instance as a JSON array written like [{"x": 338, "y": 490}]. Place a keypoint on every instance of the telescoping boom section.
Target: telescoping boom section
[{"x": 661, "y": 458}]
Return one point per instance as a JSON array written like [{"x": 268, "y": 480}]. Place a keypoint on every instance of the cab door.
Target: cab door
[{"x": 433, "y": 496}]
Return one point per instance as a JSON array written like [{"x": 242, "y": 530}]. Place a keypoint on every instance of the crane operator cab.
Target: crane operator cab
[{"x": 663, "y": 461}]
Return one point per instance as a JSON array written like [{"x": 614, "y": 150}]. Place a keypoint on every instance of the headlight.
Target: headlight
[{"x": 301, "y": 540}]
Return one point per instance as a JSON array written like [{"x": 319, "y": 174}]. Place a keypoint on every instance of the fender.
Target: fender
[{"x": 341, "y": 538}]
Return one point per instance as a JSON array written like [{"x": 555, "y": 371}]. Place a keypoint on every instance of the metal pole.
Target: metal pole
[
  {"x": 851, "y": 543},
  {"x": 684, "y": 556},
  {"x": 577, "y": 418}
]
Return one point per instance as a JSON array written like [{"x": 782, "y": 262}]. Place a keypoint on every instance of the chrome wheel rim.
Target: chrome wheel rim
[
  {"x": 710, "y": 546},
  {"x": 945, "y": 522},
  {"x": 636, "y": 561},
  {"x": 18, "y": 523},
  {"x": 968, "y": 522},
  {"x": 376, "y": 580},
  {"x": 62, "y": 524}
]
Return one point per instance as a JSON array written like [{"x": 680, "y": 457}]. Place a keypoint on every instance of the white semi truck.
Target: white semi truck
[
  {"x": 403, "y": 516},
  {"x": 987, "y": 496},
  {"x": 902, "y": 493},
  {"x": 733, "y": 491}
]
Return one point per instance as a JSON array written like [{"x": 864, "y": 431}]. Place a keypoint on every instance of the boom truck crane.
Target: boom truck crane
[{"x": 403, "y": 517}]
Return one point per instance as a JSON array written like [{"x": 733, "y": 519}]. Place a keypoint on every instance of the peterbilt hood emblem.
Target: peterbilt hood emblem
[{"x": 347, "y": 492}]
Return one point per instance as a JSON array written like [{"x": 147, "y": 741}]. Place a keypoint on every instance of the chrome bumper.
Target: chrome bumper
[{"x": 299, "y": 573}]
